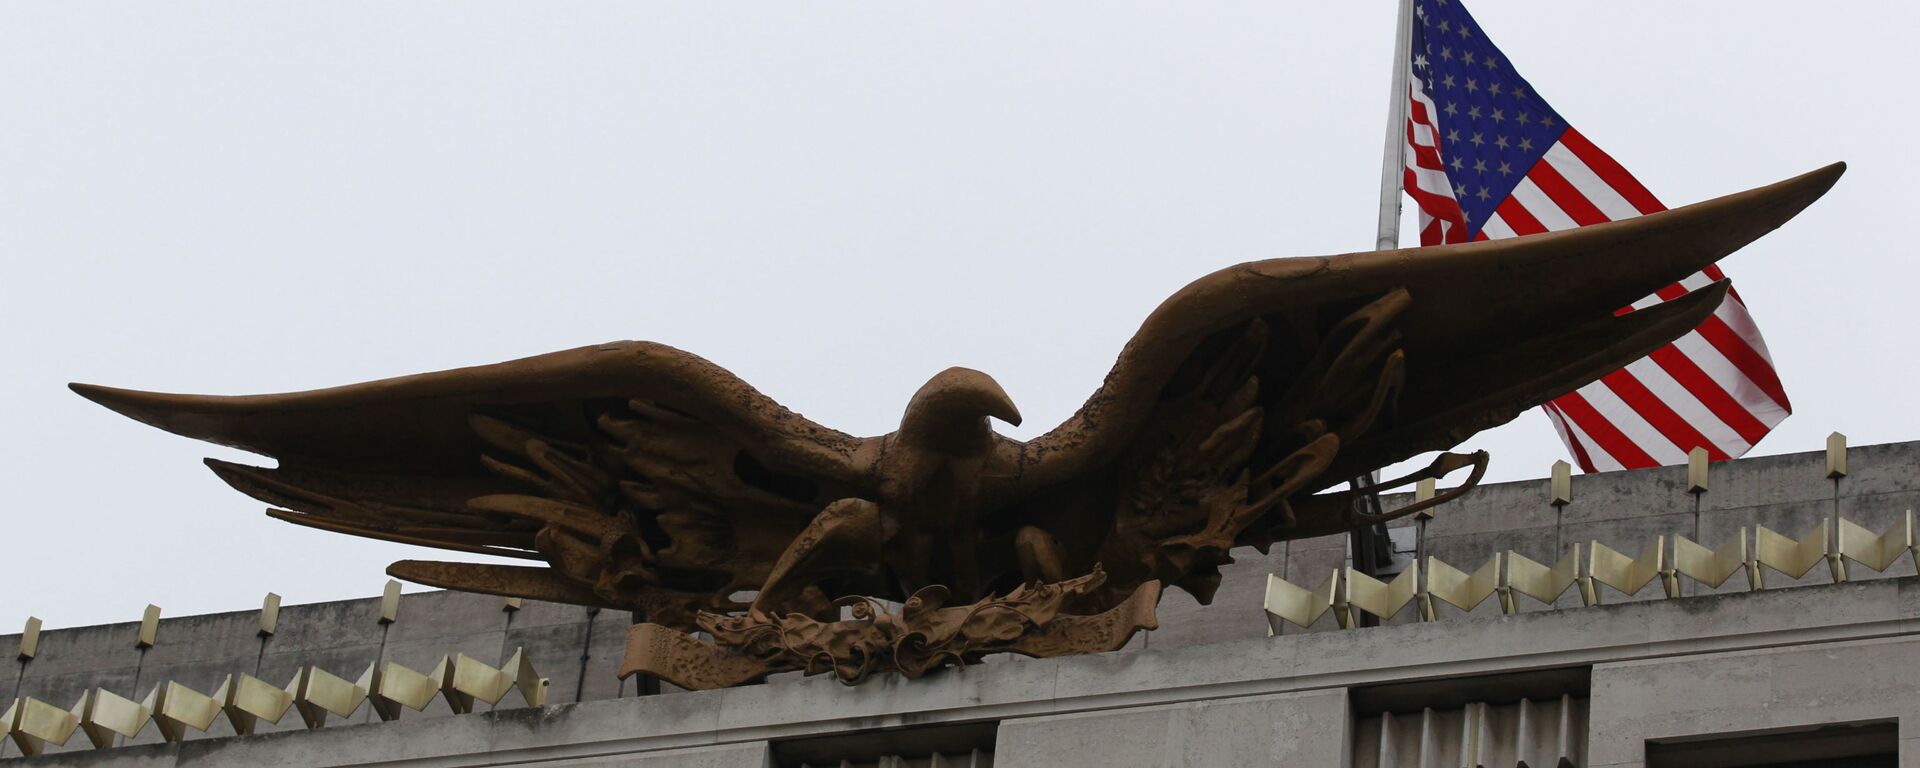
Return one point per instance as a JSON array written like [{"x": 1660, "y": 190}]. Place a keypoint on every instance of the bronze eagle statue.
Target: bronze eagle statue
[{"x": 641, "y": 477}]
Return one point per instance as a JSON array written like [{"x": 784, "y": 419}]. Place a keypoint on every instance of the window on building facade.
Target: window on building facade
[
  {"x": 1530, "y": 720},
  {"x": 964, "y": 745},
  {"x": 1846, "y": 745}
]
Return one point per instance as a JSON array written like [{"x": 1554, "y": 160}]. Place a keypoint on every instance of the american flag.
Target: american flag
[{"x": 1487, "y": 158}]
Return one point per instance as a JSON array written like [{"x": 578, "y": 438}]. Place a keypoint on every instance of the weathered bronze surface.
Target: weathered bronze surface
[
  {"x": 923, "y": 635},
  {"x": 645, "y": 478}
]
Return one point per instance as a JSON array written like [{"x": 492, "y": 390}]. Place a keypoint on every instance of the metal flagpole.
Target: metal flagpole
[
  {"x": 1366, "y": 542},
  {"x": 1394, "y": 160}
]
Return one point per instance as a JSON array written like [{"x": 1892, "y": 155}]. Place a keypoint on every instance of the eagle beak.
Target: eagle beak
[
  {"x": 998, "y": 404},
  {"x": 1007, "y": 413}
]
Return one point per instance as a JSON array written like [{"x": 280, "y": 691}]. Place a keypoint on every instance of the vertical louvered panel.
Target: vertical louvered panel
[{"x": 1524, "y": 734}]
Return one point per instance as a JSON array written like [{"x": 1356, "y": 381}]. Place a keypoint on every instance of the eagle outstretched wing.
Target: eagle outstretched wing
[
  {"x": 1254, "y": 387},
  {"x": 645, "y": 477}
]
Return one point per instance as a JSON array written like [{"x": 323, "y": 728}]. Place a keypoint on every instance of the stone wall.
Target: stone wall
[
  {"x": 1788, "y": 493},
  {"x": 1768, "y": 661},
  {"x": 579, "y": 649}
]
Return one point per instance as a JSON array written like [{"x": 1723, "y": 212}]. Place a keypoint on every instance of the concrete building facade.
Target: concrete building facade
[{"x": 1804, "y": 672}]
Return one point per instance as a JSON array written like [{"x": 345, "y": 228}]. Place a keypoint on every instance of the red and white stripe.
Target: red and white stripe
[
  {"x": 1441, "y": 220},
  {"x": 1714, "y": 388}
]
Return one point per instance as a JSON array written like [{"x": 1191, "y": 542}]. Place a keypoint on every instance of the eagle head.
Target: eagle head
[{"x": 951, "y": 410}]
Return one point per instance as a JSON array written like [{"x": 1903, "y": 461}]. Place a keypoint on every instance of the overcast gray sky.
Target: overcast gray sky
[{"x": 834, "y": 200}]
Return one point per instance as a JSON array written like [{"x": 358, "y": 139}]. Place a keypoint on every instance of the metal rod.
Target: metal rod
[
  {"x": 1386, "y": 238},
  {"x": 586, "y": 654},
  {"x": 1394, "y": 160}
]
